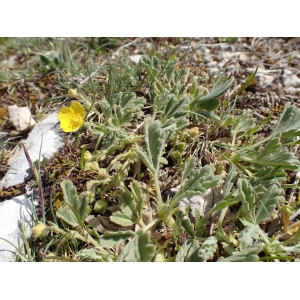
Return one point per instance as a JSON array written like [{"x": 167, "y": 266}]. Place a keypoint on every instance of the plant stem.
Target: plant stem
[
  {"x": 151, "y": 224},
  {"x": 158, "y": 193}
]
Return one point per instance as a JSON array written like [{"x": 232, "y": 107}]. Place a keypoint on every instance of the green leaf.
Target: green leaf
[
  {"x": 181, "y": 255},
  {"x": 208, "y": 115},
  {"x": 186, "y": 223},
  {"x": 106, "y": 108},
  {"x": 175, "y": 107},
  {"x": 144, "y": 251},
  {"x": 155, "y": 62},
  {"x": 295, "y": 248},
  {"x": 66, "y": 214},
  {"x": 268, "y": 203},
  {"x": 129, "y": 101},
  {"x": 155, "y": 143},
  {"x": 192, "y": 255},
  {"x": 170, "y": 67},
  {"x": 121, "y": 117},
  {"x": 77, "y": 206},
  {"x": 246, "y": 194},
  {"x": 272, "y": 155},
  {"x": 288, "y": 124},
  {"x": 94, "y": 255},
  {"x": 213, "y": 95},
  {"x": 139, "y": 249},
  {"x": 243, "y": 123},
  {"x": 188, "y": 167},
  {"x": 150, "y": 65},
  {"x": 227, "y": 201},
  {"x": 138, "y": 195},
  {"x": 208, "y": 249},
  {"x": 202, "y": 180},
  {"x": 110, "y": 239},
  {"x": 231, "y": 178},
  {"x": 248, "y": 235},
  {"x": 127, "y": 201},
  {"x": 247, "y": 83},
  {"x": 122, "y": 219},
  {"x": 247, "y": 255},
  {"x": 276, "y": 247},
  {"x": 209, "y": 105}
]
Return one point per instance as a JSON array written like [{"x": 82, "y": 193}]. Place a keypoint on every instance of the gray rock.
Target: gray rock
[
  {"x": 45, "y": 138},
  {"x": 203, "y": 203},
  {"x": 289, "y": 79},
  {"x": 11, "y": 212}
]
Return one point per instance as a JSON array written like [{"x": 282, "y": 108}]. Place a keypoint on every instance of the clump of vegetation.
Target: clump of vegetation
[{"x": 150, "y": 127}]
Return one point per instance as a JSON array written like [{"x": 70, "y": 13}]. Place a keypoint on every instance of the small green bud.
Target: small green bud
[
  {"x": 175, "y": 154},
  {"x": 180, "y": 147},
  {"x": 100, "y": 206}
]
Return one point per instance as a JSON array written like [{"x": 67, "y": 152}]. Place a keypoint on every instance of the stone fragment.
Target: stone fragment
[
  {"x": 11, "y": 212},
  {"x": 203, "y": 203},
  {"x": 45, "y": 138},
  {"x": 290, "y": 79},
  {"x": 135, "y": 58},
  {"x": 20, "y": 117}
]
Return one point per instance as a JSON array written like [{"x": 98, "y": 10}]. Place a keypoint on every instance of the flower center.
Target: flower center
[{"x": 75, "y": 121}]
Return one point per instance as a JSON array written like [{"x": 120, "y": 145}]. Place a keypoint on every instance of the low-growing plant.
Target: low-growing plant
[{"x": 148, "y": 123}]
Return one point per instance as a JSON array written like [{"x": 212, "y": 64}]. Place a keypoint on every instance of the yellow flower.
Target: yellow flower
[
  {"x": 71, "y": 118},
  {"x": 39, "y": 230}
]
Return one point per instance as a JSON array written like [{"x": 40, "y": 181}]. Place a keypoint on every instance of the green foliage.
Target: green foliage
[
  {"x": 210, "y": 101},
  {"x": 139, "y": 146},
  {"x": 288, "y": 124},
  {"x": 139, "y": 249},
  {"x": 75, "y": 211},
  {"x": 207, "y": 249},
  {"x": 155, "y": 144},
  {"x": 247, "y": 255},
  {"x": 186, "y": 224},
  {"x": 110, "y": 239}
]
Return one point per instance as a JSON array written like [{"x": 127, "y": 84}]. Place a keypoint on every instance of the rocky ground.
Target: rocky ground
[{"x": 276, "y": 82}]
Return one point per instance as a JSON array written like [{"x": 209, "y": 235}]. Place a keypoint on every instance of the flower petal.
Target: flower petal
[
  {"x": 65, "y": 113},
  {"x": 66, "y": 126},
  {"x": 77, "y": 108}
]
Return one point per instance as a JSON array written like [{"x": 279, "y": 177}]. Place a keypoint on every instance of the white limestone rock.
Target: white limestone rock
[
  {"x": 11, "y": 212},
  {"x": 20, "y": 117},
  {"x": 135, "y": 58},
  {"x": 46, "y": 133}
]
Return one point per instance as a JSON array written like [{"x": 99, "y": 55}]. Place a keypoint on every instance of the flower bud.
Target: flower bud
[
  {"x": 100, "y": 206},
  {"x": 94, "y": 166},
  {"x": 39, "y": 230},
  {"x": 87, "y": 155},
  {"x": 193, "y": 132},
  {"x": 72, "y": 93}
]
